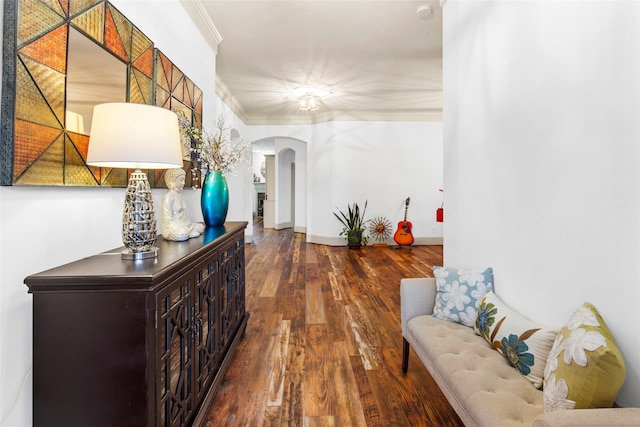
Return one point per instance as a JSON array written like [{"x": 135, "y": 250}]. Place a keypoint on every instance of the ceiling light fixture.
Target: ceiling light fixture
[
  {"x": 309, "y": 102},
  {"x": 424, "y": 11},
  {"x": 310, "y": 99}
]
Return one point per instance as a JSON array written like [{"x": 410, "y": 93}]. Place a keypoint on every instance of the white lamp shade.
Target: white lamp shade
[{"x": 126, "y": 135}]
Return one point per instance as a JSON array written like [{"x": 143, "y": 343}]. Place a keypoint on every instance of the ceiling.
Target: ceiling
[{"x": 379, "y": 59}]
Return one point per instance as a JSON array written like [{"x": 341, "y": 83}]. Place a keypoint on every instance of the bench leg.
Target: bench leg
[{"x": 405, "y": 355}]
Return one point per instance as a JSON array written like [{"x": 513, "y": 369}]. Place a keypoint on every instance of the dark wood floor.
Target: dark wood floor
[{"x": 323, "y": 345}]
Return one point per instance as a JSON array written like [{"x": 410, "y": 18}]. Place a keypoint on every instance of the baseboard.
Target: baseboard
[
  {"x": 329, "y": 241},
  {"x": 341, "y": 241},
  {"x": 428, "y": 241},
  {"x": 296, "y": 228}
]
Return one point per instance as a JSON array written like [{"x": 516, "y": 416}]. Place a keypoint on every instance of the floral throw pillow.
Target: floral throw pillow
[
  {"x": 525, "y": 344},
  {"x": 458, "y": 293},
  {"x": 585, "y": 367}
]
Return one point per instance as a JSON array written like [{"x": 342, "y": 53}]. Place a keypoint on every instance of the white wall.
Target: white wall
[
  {"x": 290, "y": 151},
  {"x": 542, "y": 147},
  {"x": 284, "y": 181},
  {"x": 383, "y": 163},
  {"x": 379, "y": 162},
  {"x": 241, "y": 189},
  {"x": 42, "y": 227}
]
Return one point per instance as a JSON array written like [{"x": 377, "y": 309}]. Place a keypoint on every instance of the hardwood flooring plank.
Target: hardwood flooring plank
[
  {"x": 423, "y": 398},
  {"x": 323, "y": 344},
  {"x": 367, "y": 398},
  {"x": 314, "y": 302},
  {"x": 296, "y": 312},
  {"x": 311, "y": 254},
  {"x": 316, "y": 399},
  {"x": 365, "y": 345},
  {"x": 367, "y": 266},
  {"x": 326, "y": 421},
  {"x": 335, "y": 286},
  {"x": 333, "y": 312},
  {"x": 285, "y": 302},
  {"x": 389, "y": 401},
  {"x": 413, "y": 401},
  {"x": 272, "y": 417},
  {"x": 260, "y": 371},
  {"x": 343, "y": 388},
  {"x": 279, "y": 365},
  {"x": 271, "y": 282},
  {"x": 292, "y": 409}
]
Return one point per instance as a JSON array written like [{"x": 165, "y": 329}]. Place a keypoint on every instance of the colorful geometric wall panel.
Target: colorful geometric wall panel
[
  {"x": 35, "y": 146},
  {"x": 91, "y": 22},
  {"x": 46, "y": 170},
  {"x": 32, "y": 142},
  {"x": 177, "y": 92},
  {"x": 172, "y": 85}
]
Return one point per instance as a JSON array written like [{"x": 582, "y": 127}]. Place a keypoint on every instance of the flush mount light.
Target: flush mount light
[
  {"x": 424, "y": 11},
  {"x": 309, "y": 98},
  {"x": 309, "y": 102}
]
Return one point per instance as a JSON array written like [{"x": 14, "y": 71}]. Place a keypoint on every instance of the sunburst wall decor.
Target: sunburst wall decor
[{"x": 380, "y": 228}]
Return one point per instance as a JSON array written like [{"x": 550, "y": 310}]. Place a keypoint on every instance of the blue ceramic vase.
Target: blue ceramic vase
[{"x": 214, "y": 199}]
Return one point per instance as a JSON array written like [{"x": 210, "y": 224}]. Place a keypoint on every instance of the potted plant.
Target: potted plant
[{"x": 353, "y": 222}]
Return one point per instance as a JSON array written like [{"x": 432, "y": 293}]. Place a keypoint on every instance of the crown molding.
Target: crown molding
[
  {"x": 326, "y": 115},
  {"x": 198, "y": 14},
  {"x": 223, "y": 92}
]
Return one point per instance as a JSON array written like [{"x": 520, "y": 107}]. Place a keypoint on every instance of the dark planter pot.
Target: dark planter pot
[{"x": 354, "y": 239}]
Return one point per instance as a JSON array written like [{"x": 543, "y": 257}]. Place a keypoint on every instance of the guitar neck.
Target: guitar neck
[{"x": 406, "y": 208}]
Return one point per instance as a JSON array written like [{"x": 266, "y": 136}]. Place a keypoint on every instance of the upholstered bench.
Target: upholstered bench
[{"x": 479, "y": 383}]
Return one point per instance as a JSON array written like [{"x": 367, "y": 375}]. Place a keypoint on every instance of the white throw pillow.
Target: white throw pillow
[
  {"x": 524, "y": 343},
  {"x": 459, "y": 292}
]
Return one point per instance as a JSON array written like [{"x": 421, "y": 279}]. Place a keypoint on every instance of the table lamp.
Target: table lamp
[{"x": 135, "y": 136}]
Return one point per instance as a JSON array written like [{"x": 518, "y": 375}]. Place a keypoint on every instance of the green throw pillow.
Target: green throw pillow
[
  {"x": 585, "y": 367},
  {"x": 525, "y": 344}
]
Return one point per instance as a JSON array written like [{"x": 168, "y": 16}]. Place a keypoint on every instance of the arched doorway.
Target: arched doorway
[{"x": 288, "y": 191}]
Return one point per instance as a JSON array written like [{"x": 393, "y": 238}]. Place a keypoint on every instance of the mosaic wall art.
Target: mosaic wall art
[
  {"x": 177, "y": 92},
  {"x": 35, "y": 147}
]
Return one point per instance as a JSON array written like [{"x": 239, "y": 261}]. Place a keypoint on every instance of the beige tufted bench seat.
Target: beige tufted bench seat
[{"x": 477, "y": 381}]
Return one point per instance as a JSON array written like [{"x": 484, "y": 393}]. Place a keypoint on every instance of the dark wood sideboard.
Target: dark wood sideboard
[{"x": 138, "y": 343}]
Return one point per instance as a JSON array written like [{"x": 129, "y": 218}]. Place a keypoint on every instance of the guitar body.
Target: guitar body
[{"x": 403, "y": 236}]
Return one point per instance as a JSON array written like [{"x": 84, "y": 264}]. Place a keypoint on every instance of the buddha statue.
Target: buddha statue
[{"x": 175, "y": 224}]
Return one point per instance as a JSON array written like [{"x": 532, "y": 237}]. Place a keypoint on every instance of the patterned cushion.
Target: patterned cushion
[
  {"x": 525, "y": 344},
  {"x": 458, "y": 293},
  {"x": 585, "y": 367}
]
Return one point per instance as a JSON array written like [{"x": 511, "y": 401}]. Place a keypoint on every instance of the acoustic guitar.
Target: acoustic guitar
[{"x": 403, "y": 235}]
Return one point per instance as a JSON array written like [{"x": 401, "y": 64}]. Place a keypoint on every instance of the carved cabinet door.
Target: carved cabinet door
[
  {"x": 238, "y": 295},
  {"x": 228, "y": 277},
  {"x": 207, "y": 323},
  {"x": 232, "y": 301},
  {"x": 174, "y": 360}
]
